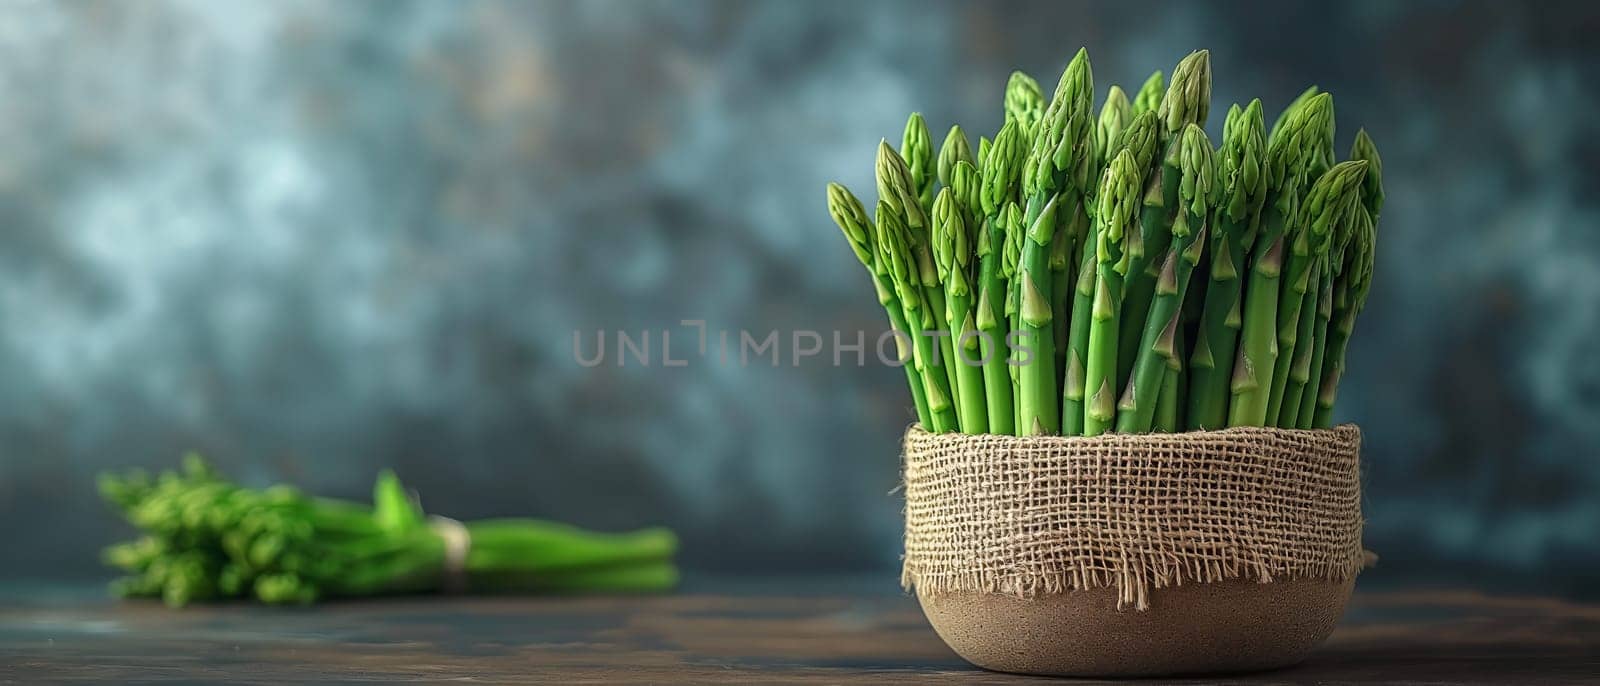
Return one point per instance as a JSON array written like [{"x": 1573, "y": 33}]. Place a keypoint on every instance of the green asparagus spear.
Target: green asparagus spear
[
  {"x": 1305, "y": 348},
  {"x": 1001, "y": 174},
  {"x": 1071, "y": 231},
  {"x": 851, "y": 217},
  {"x": 1283, "y": 117},
  {"x": 916, "y": 146},
  {"x": 1067, "y": 255},
  {"x": 1148, "y": 99},
  {"x": 1233, "y": 233},
  {"x": 1036, "y": 378},
  {"x": 1289, "y": 162},
  {"x": 1011, "y": 260},
  {"x": 1331, "y": 197},
  {"x": 954, "y": 150},
  {"x": 953, "y": 253},
  {"x": 894, "y": 251},
  {"x": 1354, "y": 281},
  {"x": 1372, "y": 186},
  {"x": 1117, "y": 205},
  {"x": 1074, "y": 379},
  {"x": 1115, "y": 115},
  {"x": 1188, "y": 100},
  {"x": 1328, "y": 272},
  {"x": 894, "y": 186},
  {"x": 1139, "y": 139},
  {"x": 959, "y": 172},
  {"x": 1011, "y": 266},
  {"x": 1055, "y": 180},
  {"x": 1158, "y": 352},
  {"x": 1024, "y": 103},
  {"x": 967, "y": 186},
  {"x": 891, "y": 170},
  {"x": 1170, "y": 398}
]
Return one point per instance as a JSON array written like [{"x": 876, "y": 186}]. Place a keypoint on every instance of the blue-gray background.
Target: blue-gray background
[{"x": 314, "y": 239}]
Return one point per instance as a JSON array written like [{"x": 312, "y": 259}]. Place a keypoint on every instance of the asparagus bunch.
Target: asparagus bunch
[
  {"x": 206, "y": 538},
  {"x": 1090, "y": 270}
]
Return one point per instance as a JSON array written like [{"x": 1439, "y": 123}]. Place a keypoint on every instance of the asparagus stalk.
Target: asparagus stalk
[
  {"x": 859, "y": 231},
  {"x": 894, "y": 186},
  {"x": 1188, "y": 100},
  {"x": 955, "y": 149},
  {"x": 1070, "y": 233},
  {"x": 1036, "y": 399},
  {"x": 1158, "y": 351},
  {"x": 1000, "y": 175},
  {"x": 1024, "y": 103},
  {"x": 967, "y": 185},
  {"x": 894, "y": 179},
  {"x": 1115, "y": 115},
  {"x": 1278, "y": 125},
  {"x": 1304, "y": 349},
  {"x": 953, "y": 253},
  {"x": 1354, "y": 281},
  {"x": 1024, "y": 107},
  {"x": 1074, "y": 377},
  {"x": 1319, "y": 336},
  {"x": 1117, "y": 204},
  {"x": 1289, "y": 162},
  {"x": 1170, "y": 398},
  {"x": 1148, "y": 99},
  {"x": 1067, "y": 255},
  {"x": 916, "y": 146},
  {"x": 1233, "y": 232},
  {"x": 1055, "y": 182},
  {"x": 895, "y": 253},
  {"x": 1372, "y": 188},
  {"x": 1010, "y": 261},
  {"x": 1330, "y": 198},
  {"x": 1139, "y": 139}
]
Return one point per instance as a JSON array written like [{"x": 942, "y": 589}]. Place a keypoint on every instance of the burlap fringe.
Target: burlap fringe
[{"x": 1049, "y": 514}]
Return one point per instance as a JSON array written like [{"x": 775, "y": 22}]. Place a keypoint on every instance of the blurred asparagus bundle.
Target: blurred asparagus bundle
[
  {"x": 1087, "y": 272},
  {"x": 206, "y": 538}
]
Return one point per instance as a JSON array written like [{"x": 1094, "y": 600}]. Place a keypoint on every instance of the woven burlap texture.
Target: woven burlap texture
[{"x": 1049, "y": 514}]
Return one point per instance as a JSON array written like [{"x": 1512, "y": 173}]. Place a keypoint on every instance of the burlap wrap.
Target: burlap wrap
[{"x": 1022, "y": 516}]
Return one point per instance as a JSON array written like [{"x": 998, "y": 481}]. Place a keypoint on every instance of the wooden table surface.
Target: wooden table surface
[{"x": 822, "y": 636}]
